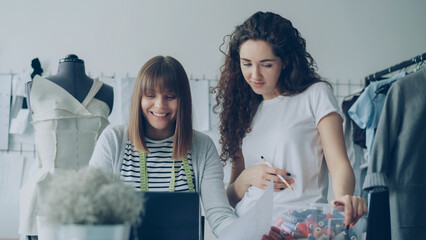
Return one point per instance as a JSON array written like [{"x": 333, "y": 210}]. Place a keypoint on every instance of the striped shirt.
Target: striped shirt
[{"x": 159, "y": 166}]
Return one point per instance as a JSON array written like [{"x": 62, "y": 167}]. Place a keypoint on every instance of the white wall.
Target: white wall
[{"x": 348, "y": 39}]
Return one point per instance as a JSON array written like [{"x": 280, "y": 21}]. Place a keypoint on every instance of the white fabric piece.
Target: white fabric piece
[
  {"x": 256, "y": 222},
  {"x": 66, "y": 132},
  {"x": 125, "y": 93},
  {"x": 5, "y": 92},
  {"x": 19, "y": 94},
  {"x": 19, "y": 124},
  {"x": 200, "y": 104},
  {"x": 19, "y": 82}
]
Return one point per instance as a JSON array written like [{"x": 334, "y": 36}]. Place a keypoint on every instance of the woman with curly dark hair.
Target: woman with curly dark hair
[{"x": 273, "y": 105}]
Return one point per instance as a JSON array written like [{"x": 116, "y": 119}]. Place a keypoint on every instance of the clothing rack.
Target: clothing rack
[{"x": 377, "y": 76}]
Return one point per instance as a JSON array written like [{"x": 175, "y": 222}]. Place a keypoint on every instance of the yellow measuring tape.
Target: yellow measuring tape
[{"x": 144, "y": 174}]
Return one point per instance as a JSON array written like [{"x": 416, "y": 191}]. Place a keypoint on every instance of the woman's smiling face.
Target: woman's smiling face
[{"x": 159, "y": 108}]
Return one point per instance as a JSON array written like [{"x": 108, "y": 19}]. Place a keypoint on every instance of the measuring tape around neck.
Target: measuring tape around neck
[{"x": 144, "y": 174}]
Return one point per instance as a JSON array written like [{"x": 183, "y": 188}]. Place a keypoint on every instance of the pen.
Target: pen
[{"x": 281, "y": 177}]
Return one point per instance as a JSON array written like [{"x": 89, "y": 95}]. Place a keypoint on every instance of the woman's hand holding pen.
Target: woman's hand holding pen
[
  {"x": 260, "y": 176},
  {"x": 354, "y": 207}
]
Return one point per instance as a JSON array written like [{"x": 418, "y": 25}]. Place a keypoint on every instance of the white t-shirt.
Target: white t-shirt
[{"x": 284, "y": 131}]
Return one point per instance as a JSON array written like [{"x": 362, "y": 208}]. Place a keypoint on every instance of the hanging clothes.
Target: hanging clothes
[
  {"x": 66, "y": 132},
  {"x": 398, "y": 156},
  {"x": 365, "y": 112},
  {"x": 355, "y": 151},
  {"x": 357, "y": 134}
]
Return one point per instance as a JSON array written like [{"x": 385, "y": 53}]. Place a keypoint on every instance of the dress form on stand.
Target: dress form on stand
[
  {"x": 69, "y": 112},
  {"x": 72, "y": 77}
]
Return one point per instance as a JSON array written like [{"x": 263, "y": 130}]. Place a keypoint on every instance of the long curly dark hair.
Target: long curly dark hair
[{"x": 235, "y": 99}]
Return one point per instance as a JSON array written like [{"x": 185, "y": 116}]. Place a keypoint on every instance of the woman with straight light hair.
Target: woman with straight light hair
[{"x": 160, "y": 135}]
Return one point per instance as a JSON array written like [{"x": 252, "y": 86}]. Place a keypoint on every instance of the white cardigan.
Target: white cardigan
[{"x": 208, "y": 171}]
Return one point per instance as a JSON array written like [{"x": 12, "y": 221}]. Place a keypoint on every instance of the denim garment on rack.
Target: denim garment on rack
[{"x": 366, "y": 110}]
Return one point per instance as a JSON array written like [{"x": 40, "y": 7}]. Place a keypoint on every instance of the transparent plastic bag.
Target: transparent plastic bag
[{"x": 317, "y": 222}]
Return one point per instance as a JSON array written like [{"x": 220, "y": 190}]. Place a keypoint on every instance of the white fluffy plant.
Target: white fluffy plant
[{"x": 91, "y": 197}]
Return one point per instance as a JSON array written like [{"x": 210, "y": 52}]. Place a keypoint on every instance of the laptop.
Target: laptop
[{"x": 169, "y": 215}]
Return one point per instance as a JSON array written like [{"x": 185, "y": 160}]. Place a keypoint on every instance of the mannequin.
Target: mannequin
[
  {"x": 72, "y": 77},
  {"x": 69, "y": 112}
]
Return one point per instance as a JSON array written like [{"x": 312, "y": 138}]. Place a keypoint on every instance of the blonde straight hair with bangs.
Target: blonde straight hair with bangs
[{"x": 167, "y": 74}]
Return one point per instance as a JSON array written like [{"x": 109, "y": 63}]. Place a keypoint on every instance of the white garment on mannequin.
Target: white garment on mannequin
[{"x": 66, "y": 132}]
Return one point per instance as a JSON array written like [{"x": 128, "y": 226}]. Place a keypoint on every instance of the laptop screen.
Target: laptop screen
[{"x": 169, "y": 215}]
